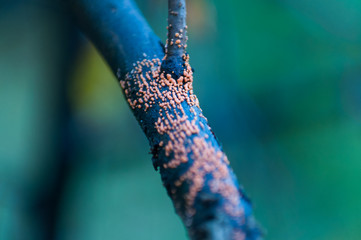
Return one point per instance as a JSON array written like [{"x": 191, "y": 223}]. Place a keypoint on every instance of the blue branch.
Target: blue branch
[{"x": 193, "y": 167}]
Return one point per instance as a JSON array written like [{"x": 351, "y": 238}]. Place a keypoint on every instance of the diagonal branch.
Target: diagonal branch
[{"x": 193, "y": 167}]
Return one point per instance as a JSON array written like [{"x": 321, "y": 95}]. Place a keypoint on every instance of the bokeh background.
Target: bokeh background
[{"x": 279, "y": 81}]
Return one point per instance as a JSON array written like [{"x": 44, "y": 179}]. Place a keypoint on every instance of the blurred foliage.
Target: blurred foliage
[{"x": 279, "y": 81}]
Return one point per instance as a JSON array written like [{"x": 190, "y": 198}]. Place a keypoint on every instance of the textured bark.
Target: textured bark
[
  {"x": 158, "y": 88},
  {"x": 177, "y": 28}
]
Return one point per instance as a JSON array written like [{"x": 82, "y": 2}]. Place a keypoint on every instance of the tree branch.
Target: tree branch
[
  {"x": 177, "y": 28},
  {"x": 193, "y": 167}
]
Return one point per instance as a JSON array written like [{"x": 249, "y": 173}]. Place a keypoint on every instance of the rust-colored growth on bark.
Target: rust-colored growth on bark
[{"x": 184, "y": 145}]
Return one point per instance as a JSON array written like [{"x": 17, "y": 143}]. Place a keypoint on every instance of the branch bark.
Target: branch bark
[
  {"x": 193, "y": 167},
  {"x": 177, "y": 28}
]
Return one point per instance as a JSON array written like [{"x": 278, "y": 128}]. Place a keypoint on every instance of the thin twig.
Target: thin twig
[{"x": 177, "y": 28}]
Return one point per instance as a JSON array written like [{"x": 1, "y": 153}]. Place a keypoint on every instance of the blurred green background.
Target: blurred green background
[{"x": 279, "y": 81}]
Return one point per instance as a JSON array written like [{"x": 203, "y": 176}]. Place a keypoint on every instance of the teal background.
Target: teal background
[{"x": 278, "y": 80}]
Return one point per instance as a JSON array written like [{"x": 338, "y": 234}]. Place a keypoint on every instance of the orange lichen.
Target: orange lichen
[
  {"x": 174, "y": 13},
  {"x": 185, "y": 140},
  {"x": 238, "y": 235}
]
